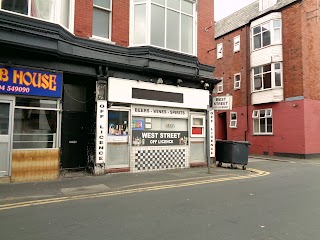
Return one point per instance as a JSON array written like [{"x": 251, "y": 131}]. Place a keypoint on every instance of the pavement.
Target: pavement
[{"x": 77, "y": 184}]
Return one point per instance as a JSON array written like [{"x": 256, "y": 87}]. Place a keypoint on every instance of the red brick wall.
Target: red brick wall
[
  {"x": 232, "y": 63},
  {"x": 310, "y": 31},
  {"x": 292, "y": 51},
  {"x": 205, "y": 38},
  {"x": 83, "y": 18},
  {"x": 120, "y": 20}
]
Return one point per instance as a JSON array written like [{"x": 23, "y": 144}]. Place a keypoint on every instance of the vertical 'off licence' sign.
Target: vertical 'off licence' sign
[
  {"x": 101, "y": 132},
  {"x": 211, "y": 133}
]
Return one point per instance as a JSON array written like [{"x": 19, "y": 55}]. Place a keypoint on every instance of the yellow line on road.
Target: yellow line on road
[{"x": 257, "y": 173}]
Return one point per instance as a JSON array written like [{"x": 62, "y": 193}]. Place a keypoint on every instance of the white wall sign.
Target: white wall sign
[
  {"x": 101, "y": 132},
  {"x": 148, "y": 111},
  {"x": 222, "y": 103},
  {"x": 211, "y": 133},
  {"x": 120, "y": 90}
]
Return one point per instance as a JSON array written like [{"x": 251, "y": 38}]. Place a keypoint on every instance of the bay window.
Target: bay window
[
  {"x": 267, "y": 76},
  {"x": 57, "y": 11},
  {"x": 266, "y": 34},
  {"x": 167, "y": 24}
]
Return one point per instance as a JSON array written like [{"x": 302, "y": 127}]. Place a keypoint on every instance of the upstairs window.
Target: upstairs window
[
  {"x": 168, "y": 24},
  {"x": 220, "y": 87},
  {"x": 265, "y": 4},
  {"x": 266, "y": 34},
  {"x": 267, "y": 76},
  {"x": 57, "y": 11},
  {"x": 237, "y": 80},
  {"x": 236, "y": 44},
  {"x": 219, "y": 50},
  {"x": 101, "y": 19}
]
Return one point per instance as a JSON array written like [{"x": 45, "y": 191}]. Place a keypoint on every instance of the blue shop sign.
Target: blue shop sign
[{"x": 30, "y": 82}]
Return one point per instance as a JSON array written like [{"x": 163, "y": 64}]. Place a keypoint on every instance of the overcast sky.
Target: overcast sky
[{"x": 223, "y": 8}]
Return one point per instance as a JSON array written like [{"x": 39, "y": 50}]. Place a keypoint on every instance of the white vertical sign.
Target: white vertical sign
[
  {"x": 211, "y": 133},
  {"x": 101, "y": 134}
]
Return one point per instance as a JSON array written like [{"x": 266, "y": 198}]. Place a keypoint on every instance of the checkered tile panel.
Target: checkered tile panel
[{"x": 160, "y": 159}]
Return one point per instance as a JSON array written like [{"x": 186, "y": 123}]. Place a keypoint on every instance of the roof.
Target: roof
[{"x": 244, "y": 16}]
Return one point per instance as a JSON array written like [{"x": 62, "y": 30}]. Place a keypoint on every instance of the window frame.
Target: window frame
[
  {"x": 57, "y": 108},
  {"x": 272, "y": 29},
  {"x": 203, "y": 126},
  {"x": 148, "y": 4},
  {"x": 220, "y": 86},
  {"x": 95, "y": 37},
  {"x": 273, "y": 73},
  {"x": 256, "y": 115},
  {"x": 236, "y": 44},
  {"x": 237, "y": 81},
  {"x": 57, "y": 14},
  {"x": 219, "y": 50},
  {"x": 233, "y": 122}
]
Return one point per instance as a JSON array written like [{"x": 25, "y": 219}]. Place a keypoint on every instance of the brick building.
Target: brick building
[
  {"x": 268, "y": 57},
  {"x": 110, "y": 85}
]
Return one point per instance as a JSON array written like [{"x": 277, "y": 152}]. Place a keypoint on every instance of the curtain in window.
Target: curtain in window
[{"x": 43, "y": 9}]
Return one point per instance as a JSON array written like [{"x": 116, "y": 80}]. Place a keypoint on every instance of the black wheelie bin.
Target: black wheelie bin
[{"x": 233, "y": 152}]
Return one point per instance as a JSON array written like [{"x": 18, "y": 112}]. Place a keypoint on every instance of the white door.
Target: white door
[{"x": 5, "y": 129}]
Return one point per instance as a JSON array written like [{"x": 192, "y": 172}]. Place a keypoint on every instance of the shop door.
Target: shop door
[
  {"x": 5, "y": 129},
  {"x": 118, "y": 148}
]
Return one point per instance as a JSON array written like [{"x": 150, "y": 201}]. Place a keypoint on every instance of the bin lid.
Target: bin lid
[{"x": 234, "y": 142}]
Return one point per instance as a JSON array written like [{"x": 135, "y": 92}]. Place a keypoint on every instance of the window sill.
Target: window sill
[
  {"x": 102, "y": 40},
  {"x": 265, "y": 90},
  {"x": 263, "y": 134},
  {"x": 163, "y": 48}
]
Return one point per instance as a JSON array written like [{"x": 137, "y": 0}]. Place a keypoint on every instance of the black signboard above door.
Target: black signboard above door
[{"x": 159, "y": 138}]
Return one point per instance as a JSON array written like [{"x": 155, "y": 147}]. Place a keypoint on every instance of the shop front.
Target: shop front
[
  {"x": 29, "y": 123},
  {"x": 151, "y": 127}
]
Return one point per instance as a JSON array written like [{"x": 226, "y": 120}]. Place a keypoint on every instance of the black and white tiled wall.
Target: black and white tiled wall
[{"x": 159, "y": 158}]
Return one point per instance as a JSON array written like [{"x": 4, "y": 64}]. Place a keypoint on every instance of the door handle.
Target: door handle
[{"x": 73, "y": 142}]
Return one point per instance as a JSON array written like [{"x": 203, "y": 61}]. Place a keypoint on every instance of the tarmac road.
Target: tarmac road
[{"x": 281, "y": 205}]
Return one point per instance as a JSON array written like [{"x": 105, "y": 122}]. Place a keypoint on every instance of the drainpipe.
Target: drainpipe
[{"x": 248, "y": 82}]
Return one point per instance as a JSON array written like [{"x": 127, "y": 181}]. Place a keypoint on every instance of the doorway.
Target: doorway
[
  {"x": 222, "y": 132},
  {"x": 118, "y": 141},
  {"x": 5, "y": 136}
]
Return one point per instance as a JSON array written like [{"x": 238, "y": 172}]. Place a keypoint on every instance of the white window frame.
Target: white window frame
[
  {"x": 256, "y": 115},
  {"x": 220, "y": 87},
  {"x": 233, "y": 120},
  {"x": 219, "y": 50},
  {"x": 110, "y": 22},
  {"x": 265, "y": 4},
  {"x": 237, "y": 81},
  {"x": 148, "y": 25},
  {"x": 272, "y": 30},
  {"x": 273, "y": 72},
  {"x": 57, "y": 14},
  {"x": 203, "y": 126},
  {"x": 236, "y": 44}
]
